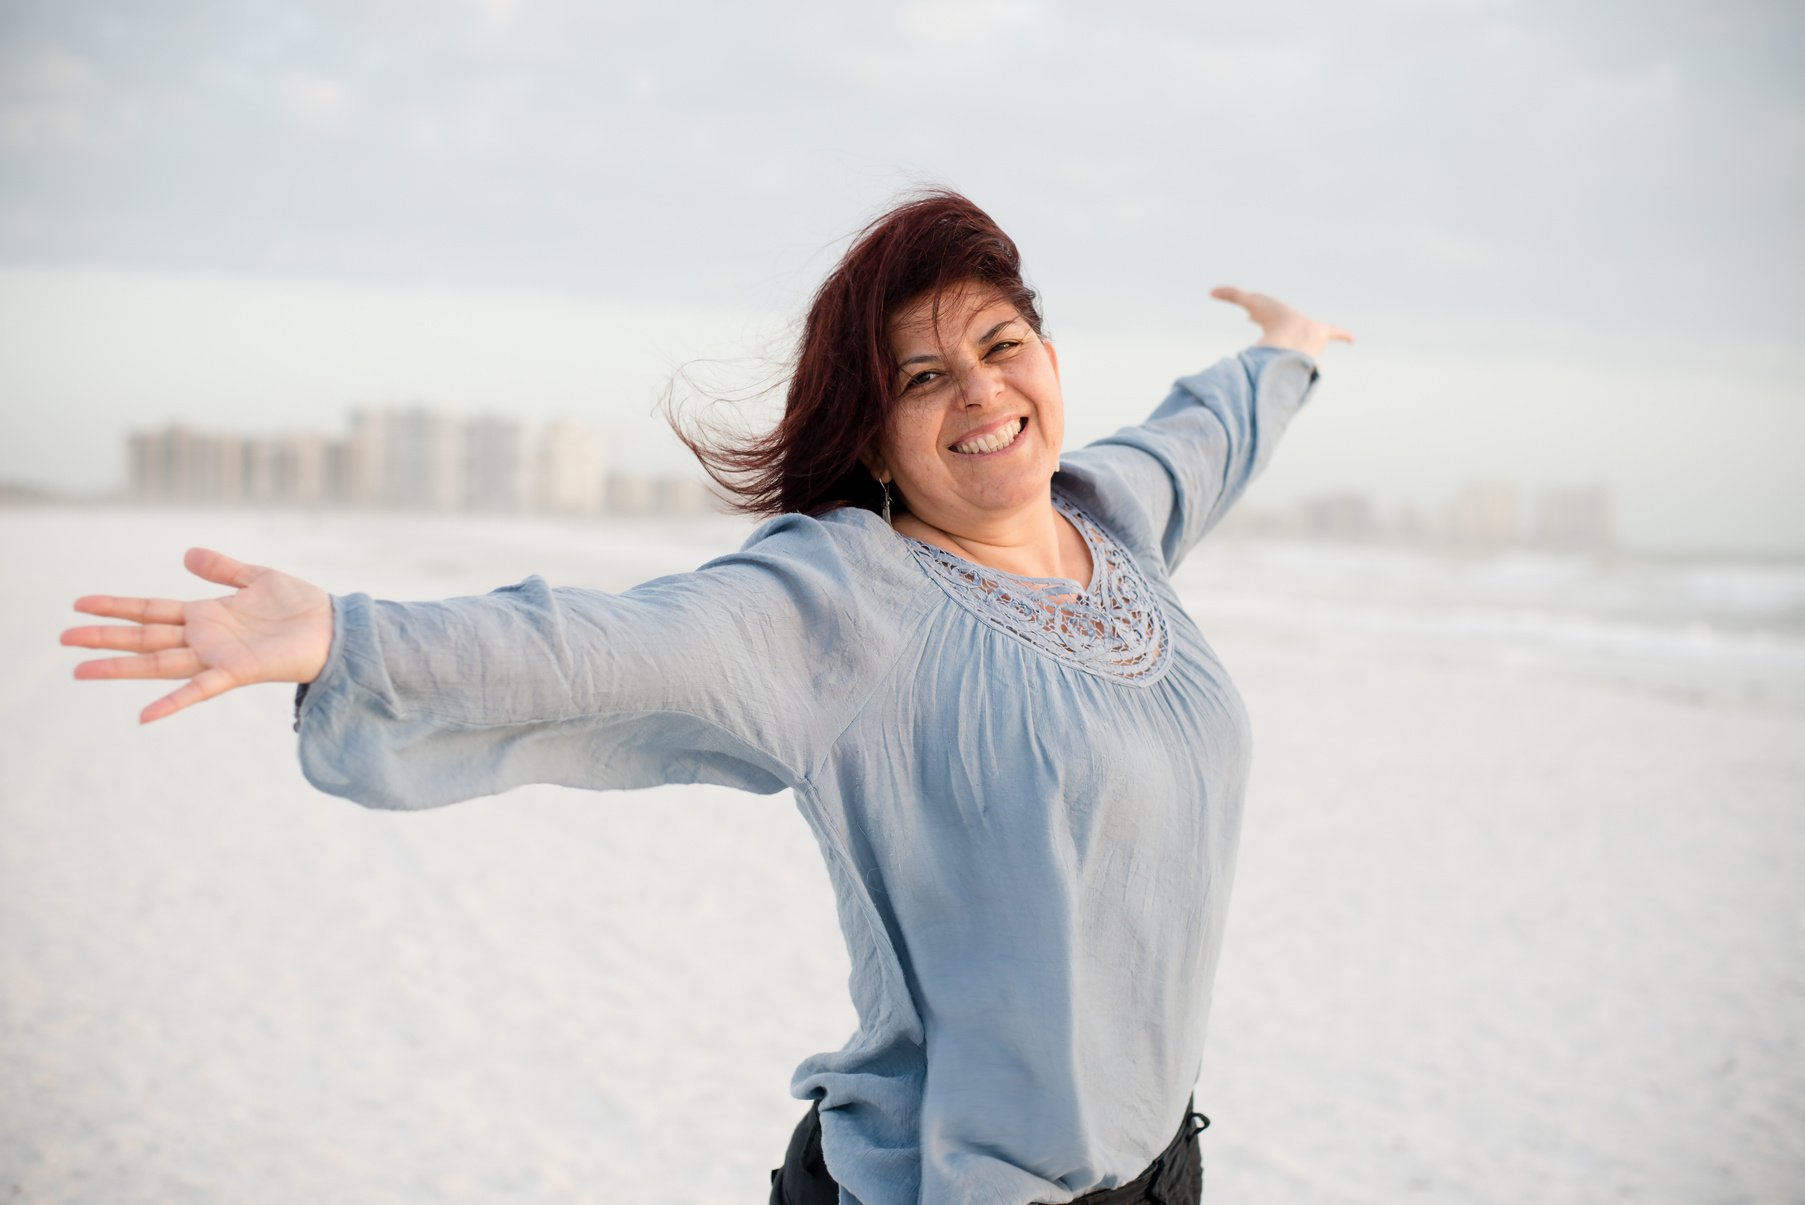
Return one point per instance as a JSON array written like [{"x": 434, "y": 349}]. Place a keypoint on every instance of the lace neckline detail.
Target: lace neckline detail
[{"x": 1113, "y": 628}]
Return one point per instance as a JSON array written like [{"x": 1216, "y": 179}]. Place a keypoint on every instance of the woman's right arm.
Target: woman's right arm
[
  {"x": 272, "y": 628},
  {"x": 732, "y": 674}
]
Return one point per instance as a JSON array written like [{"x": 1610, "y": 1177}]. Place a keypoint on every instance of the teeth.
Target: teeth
[{"x": 995, "y": 442}]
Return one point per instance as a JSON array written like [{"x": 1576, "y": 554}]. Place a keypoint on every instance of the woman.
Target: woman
[{"x": 1022, "y": 762}]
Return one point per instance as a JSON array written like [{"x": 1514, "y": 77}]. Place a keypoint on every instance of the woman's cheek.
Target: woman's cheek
[{"x": 917, "y": 444}]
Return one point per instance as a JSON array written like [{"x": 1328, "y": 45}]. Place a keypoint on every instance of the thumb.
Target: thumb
[{"x": 219, "y": 568}]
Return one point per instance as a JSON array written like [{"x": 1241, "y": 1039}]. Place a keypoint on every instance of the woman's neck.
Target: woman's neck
[{"x": 1038, "y": 541}]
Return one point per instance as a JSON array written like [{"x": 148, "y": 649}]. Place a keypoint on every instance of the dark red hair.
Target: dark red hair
[{"x": 844, "y": 385}]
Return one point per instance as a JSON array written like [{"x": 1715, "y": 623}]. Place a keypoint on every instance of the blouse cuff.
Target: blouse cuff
[
  {"x": 1265, "y": 352},
  {"x": 337, "y": 666}
]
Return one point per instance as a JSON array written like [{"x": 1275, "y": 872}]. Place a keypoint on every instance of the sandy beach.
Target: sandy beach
[{"x": 1518, "y": 914}]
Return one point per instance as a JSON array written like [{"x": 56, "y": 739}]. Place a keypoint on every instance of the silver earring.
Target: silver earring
[{"x": 885, "y": 486}]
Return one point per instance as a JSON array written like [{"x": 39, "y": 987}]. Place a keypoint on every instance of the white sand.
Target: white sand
[{"x": 1518, "y": 917}]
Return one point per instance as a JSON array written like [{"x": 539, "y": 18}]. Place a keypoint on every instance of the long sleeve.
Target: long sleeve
[
  {"x": 1195, "y": 456},
  {"x": 732, "y": 674}
]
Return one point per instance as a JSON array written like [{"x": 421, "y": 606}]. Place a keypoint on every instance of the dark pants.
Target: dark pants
[{"x": 1175, "y": 1178}]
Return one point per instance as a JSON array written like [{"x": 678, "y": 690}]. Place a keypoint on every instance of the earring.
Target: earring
[{"x": 885, "y": 486}]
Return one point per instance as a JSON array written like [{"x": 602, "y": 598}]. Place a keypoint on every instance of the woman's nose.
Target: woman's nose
[{"x": 982, "y": 384}]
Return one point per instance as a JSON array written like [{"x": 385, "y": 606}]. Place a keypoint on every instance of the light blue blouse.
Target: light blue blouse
[{"x": 1028, "y": 802}]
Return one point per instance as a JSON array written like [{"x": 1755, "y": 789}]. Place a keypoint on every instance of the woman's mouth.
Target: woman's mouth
[{"x": 995, "y": 441}]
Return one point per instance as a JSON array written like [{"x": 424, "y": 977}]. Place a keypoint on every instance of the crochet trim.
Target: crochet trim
[{"x": 1113, "y": 628}]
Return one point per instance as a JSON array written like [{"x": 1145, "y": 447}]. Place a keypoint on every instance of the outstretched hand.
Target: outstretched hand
[
  {"x": 1280, "y": 324},
  {"x": 273, "y": 628}
]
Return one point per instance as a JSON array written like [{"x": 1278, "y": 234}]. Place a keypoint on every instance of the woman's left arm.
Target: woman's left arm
[{"x": 1174, "y": 476}]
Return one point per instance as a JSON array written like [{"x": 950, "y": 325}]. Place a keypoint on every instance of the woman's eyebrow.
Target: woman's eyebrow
[{"x": 983, "y": 338}]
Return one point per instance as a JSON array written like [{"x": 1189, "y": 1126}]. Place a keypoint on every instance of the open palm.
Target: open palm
[
  {"x": 1282, "y": 325},
  {"x": 274, "y": 628}
]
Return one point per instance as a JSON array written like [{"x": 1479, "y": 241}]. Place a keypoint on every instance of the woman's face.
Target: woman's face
[{"x": 979, "y": 418}]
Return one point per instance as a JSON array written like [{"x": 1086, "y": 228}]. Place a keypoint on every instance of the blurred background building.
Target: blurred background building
[
  {"x": 418, "y": 458},
  {"x": 1481, "y": 515},
  {"x": 405, "y": 458}
]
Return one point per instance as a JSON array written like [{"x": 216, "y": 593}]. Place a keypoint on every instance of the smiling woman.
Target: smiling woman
[
  {"x": 974, "y": 440},
  {"x": 848, "y": 379},
  {"x": 959, "y": 649}
]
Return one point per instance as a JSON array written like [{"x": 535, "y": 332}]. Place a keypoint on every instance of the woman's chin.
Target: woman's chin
[{"x": 1014, "y": 495}]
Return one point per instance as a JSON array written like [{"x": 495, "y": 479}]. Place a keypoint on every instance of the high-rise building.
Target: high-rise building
[
  {"x": 570, "y": 479},
  {"x": 1577, "y": 517},
  {"x": 497, "y": 468},
  {"x": 630, "y": 493},
  {"x": 424, "y": 466},
  {"x": 147, "y": 466},
  {"x": 1344, "y": 515},
  {"x": 174, "y": 464},
  {"x": 363, "y": 463},
  {"x": 1485, "y": 513},
  {"x": 300, "y": 469}
]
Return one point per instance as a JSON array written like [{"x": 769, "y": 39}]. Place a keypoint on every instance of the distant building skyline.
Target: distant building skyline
[
  {"x": 416, "y": 457},
  {"x": 412, "y": 457},
  {"x": 1481, "y": 514}
]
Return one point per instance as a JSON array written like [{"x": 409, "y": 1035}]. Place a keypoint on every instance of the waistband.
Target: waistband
[{"x": 1165, "y": 1175}]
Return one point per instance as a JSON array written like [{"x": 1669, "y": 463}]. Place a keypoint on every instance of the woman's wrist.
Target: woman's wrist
[{"x": 1294, "y": 341}]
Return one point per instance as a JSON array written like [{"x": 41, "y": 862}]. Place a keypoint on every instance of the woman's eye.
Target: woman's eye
[
  {"x": 1005, "y": 345},
  {"x": 921, "y": 380}
]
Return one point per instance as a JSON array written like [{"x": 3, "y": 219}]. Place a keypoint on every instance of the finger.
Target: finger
[
  {"x": 205, "y": 686},
  {"x": 142, "y": 610},
  {"x": 150, "y": 638},
  {"x": 220, "y": 568},
  {"x": 1336, "y": 332},
  {"x": 1229, "y": 293},
  {"x": 171, "y": 663}
]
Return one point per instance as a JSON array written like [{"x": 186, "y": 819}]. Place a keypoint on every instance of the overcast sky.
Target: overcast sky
[{"x": 1566, "y": 235}]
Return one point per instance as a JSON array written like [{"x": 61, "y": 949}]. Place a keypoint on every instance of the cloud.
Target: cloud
[
  {"x": 49, "y": 105},
  {"x": 56, "y": 73},
  {"x": 955, "y": 23},
  {"x": 497, "y": 13},
  {"x": 311, "y": 99},
  {"x": 423, "y": 133},
  {"x": 1627, "y": 93},
  {"x": 1786, "y": 127},
  {"x": 1251, "y": 79},
  {"x": 1449, "y": 251},
  {"x": 39, "y": 125}
]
